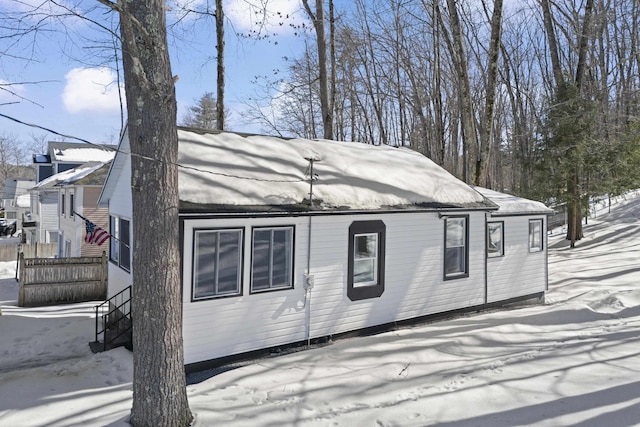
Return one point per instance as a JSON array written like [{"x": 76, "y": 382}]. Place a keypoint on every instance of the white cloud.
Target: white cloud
[
  {"x": 276, "y": 16},
  {"x": 91, "y": 89}
]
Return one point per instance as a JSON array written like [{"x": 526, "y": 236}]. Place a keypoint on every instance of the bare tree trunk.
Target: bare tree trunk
[
  {"x": 220, "y": 65},
  {"x": 318, "y": 23},
  {"x": 486, "y": 137},
  {"x": 159, "y": 386},
  {"x": 469, "y": 135}
]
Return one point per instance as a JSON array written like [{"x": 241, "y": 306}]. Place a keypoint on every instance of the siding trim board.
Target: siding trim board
[{"x": 215, "y": 366}]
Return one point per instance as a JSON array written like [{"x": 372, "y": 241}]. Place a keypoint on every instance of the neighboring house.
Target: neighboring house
[
  {"x": 60, "y": 157},
  {"x": 516, "y": 246},
  {"x": 16, "y": 199},
  {"x": 389, "y": 236},
  {"x": 77, "y": 191}
]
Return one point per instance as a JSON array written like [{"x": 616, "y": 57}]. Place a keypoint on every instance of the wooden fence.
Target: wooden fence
[{"x": 43, "y": 281}]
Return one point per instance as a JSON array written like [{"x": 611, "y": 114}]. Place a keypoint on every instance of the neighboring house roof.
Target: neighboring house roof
[
  {"x": 240, "y": 172},
  {"x": 75, "y": 152},
  {"x": 16, "y": 186},
  {"x": 513, "y": 205},
  {"x": 90, "y": 173}
]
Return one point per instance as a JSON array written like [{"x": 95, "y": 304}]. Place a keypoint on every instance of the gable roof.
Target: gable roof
[
  {"x": 90, "y": 173},
  {"x": 75, "y": 152},
  {"x": 235, "y": 172},
  {"x": 240, "y": 171},
  {"x": 513, "y": 205}
]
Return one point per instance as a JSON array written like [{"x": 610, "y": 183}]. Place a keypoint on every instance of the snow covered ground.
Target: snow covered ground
[{"x": 572, "y": 361}]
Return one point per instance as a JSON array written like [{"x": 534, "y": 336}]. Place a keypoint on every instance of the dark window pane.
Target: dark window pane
[
  {"x": 281, "y": 258},
  {"x": 228, "y": 259},
  {"x": 261, "y": 262}
]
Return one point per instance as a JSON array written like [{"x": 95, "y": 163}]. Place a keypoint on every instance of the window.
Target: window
[
  {"x": 495, "y": 239},
  {"x": 272, "y": 259},
  {"x": 62, "y": 205},
  {"x": 456, "y": 250},
  {"x": 71, "y": 206},
  {"x": 120, "y": 242},
  {"x": 217, "y": 262},
  {"x": 535, "y": 235},
  {"x": 366, "y": 260}
]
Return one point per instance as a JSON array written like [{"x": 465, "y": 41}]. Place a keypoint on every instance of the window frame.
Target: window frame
[
  {"x": 540, "y": 246},
  {"x": 120, "y": 242},
  {"x": 63, "y": 204},
  {"x": 500, "y": 253},
  {"x": 357, "y": 291},
  {"x": 465, "y": 245},
  {"x": 71, "y": 205},
  {"x": 240, "y": 266},
  {"x": 291, "y": 266}
]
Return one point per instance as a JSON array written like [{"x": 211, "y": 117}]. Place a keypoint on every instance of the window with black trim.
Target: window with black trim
[
  {"x": 456, "y": 251},
  {"x": 71, "y": 205},
  {"x": 535, "y": 235},
  {"x": 495, "y": 239},
  {"x": 120, "y": 242},
  {"x": 272, "y": 258},
  {"x": 62, "y": 205},
  {"x": 366, "y": 260},
  {"x": 217, "y": 263}
]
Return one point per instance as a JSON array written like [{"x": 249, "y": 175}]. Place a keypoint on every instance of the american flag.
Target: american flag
[{"x": 95, "y": 235}]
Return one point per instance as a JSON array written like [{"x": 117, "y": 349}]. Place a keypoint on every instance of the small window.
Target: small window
[
  {"x": 62, "y": 205},
  {"x": 272, "y": 259},
  {"x": 366, "y": 260},
  {"x": 217, "y": 262},
  {"x": 120, "y": 242},
  {"x": 495, "y": 239},
  {"x": 535, "y": 235},
  {"x": 456, "y": 252},
  {"x": 71, "y": 205}
]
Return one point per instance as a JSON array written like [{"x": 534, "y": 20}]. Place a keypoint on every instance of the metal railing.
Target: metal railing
[{"x": 113, "y": 319}]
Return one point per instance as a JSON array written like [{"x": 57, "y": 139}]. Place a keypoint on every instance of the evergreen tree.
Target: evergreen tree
[{"x": 203, "y": 114}]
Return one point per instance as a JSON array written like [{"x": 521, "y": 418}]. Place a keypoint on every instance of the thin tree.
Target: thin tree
[
  {"x": 326, "y": 104},
  {"x": 220, "y": 42},
  {"x": 486, "y": 135},
  {"x": 159, "y": 385}
]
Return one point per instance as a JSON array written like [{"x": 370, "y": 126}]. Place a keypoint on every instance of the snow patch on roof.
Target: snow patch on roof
[
  {"x": 232, "y": 169},
  {"x": 93, "y": 154},
  {"x": 512, "y": 205},
  {"x": 69, "y": 176}
]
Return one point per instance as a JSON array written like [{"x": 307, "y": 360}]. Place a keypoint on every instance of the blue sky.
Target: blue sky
[{"x": 67, "y": 87}]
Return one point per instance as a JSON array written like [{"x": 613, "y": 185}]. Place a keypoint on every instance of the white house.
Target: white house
[
  {"x": 516, "y": 247},
  {"x": 15, "y": 191},
  {"x": 60, "y": 157},
  {"x": 388, "y": 236}
]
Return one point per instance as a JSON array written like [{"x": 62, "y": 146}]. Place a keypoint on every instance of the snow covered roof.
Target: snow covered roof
[
  {"x": 79, "y": 152},
  {"x": 513, "y": 205},
  {"x": 74, "y": 176},
  {"x": 236, "y": 171}
]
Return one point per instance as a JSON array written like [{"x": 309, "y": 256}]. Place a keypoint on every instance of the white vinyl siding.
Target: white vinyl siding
[
  {"x": 519, "y": 272},
  {"x": 413, "y": 284}
]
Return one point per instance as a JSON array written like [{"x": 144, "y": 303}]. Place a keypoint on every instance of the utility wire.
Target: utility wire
[{"x": 146, "y": 157}]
